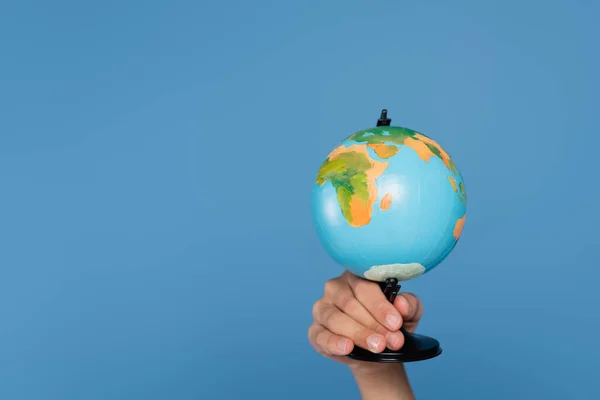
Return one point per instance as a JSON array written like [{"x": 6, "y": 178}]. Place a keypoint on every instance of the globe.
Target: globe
[{"x": 389, "y": 202}]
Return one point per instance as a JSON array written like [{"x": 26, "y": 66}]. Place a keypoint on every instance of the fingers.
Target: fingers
[
  {"x": 338, "y": 292},
  {"x": 369, "y": 294},
  {"x": 411, "y": 309},
  {"x": 328, "y": 343},
  {"x": 338, "y": 323}
]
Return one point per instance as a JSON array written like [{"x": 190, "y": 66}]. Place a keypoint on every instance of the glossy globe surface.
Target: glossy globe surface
[{"x": 389, "y": 202}]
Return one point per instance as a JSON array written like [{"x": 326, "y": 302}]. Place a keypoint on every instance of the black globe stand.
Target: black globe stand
[{"x": 415, "y": 348}]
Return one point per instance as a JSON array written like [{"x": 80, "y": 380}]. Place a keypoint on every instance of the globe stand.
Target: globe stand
[{"x": 415, "y": 348}]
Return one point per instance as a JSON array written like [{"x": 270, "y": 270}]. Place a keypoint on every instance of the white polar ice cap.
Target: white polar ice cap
[{"x": 402, "y": 272}]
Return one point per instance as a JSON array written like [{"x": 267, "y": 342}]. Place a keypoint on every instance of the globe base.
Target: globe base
[{"x": 416, "y": 347}]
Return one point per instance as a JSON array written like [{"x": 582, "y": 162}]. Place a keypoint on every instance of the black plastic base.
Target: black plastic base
[{"x": 415, "y": 348}]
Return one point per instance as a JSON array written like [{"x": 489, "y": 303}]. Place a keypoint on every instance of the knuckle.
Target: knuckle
[
  {"x": 316, "y": 309},
  {"x": 348, "y": 303},
  {"x": 362, "y": 334},
  {"x": 311, "y": 334},
  {"x": 327, "y": 314},
  {"x": 321, "y": 338},
  {"x": 382, "y": 307},
  {"x": 329, "y": 287},
  {"x": 322, "y": 342},
  {"x": 314, "y": 339},
  {"x": 357, "y": 284},
  {"x": 332, "y": 342},
  {"x": 378, "y": 328}
]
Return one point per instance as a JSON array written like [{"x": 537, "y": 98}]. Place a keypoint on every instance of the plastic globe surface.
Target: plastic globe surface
[{"x": 389, "y": 202}]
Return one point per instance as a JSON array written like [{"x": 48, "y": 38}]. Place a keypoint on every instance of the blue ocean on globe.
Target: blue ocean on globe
[{"x": 389, "y": 202}]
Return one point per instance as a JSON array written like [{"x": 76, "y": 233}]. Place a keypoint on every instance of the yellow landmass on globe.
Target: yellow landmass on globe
[
  {"x": 353, "y": 173},
  {"x": 386, "y": 201},
  {"x": 423, "y": 151},
  {"x": 453, "y": 183},
  {"x": 384, "y": 150},
  {"x": 458, "y": 227},
  {"x": 422, "y": 147},
  {"x": 353, "y": 170},
  {"x": 443, "y": 155}
]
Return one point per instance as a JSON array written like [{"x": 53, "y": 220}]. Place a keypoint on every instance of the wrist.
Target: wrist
[{"x": 382, "y": 382}]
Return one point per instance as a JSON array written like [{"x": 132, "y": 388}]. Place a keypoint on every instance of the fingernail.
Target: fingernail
[
  {"x": 392, "y": 320},
  {"x": 373, "y": 341},
  {"x": 393, "y": 339},
  {"x": 342, "y": 345}
]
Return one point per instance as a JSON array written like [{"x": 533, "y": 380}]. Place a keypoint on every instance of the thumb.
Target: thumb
[{"x": 411, "y": 309}]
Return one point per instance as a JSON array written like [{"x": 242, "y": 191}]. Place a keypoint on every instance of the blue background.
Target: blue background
[{"x": 156, "y": 163}]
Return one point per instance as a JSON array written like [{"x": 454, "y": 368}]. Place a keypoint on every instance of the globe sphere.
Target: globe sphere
[{"x": 389, "y": 202}]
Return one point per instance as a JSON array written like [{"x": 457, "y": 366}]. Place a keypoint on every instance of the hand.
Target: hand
[{"x": 354, "y": 311}]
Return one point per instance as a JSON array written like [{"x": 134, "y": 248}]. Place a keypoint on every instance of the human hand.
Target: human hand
[{"x": 354, "y": 311}]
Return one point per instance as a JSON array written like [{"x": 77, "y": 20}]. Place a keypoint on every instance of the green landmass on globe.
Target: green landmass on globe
[{"x": 353, "y": 172}]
